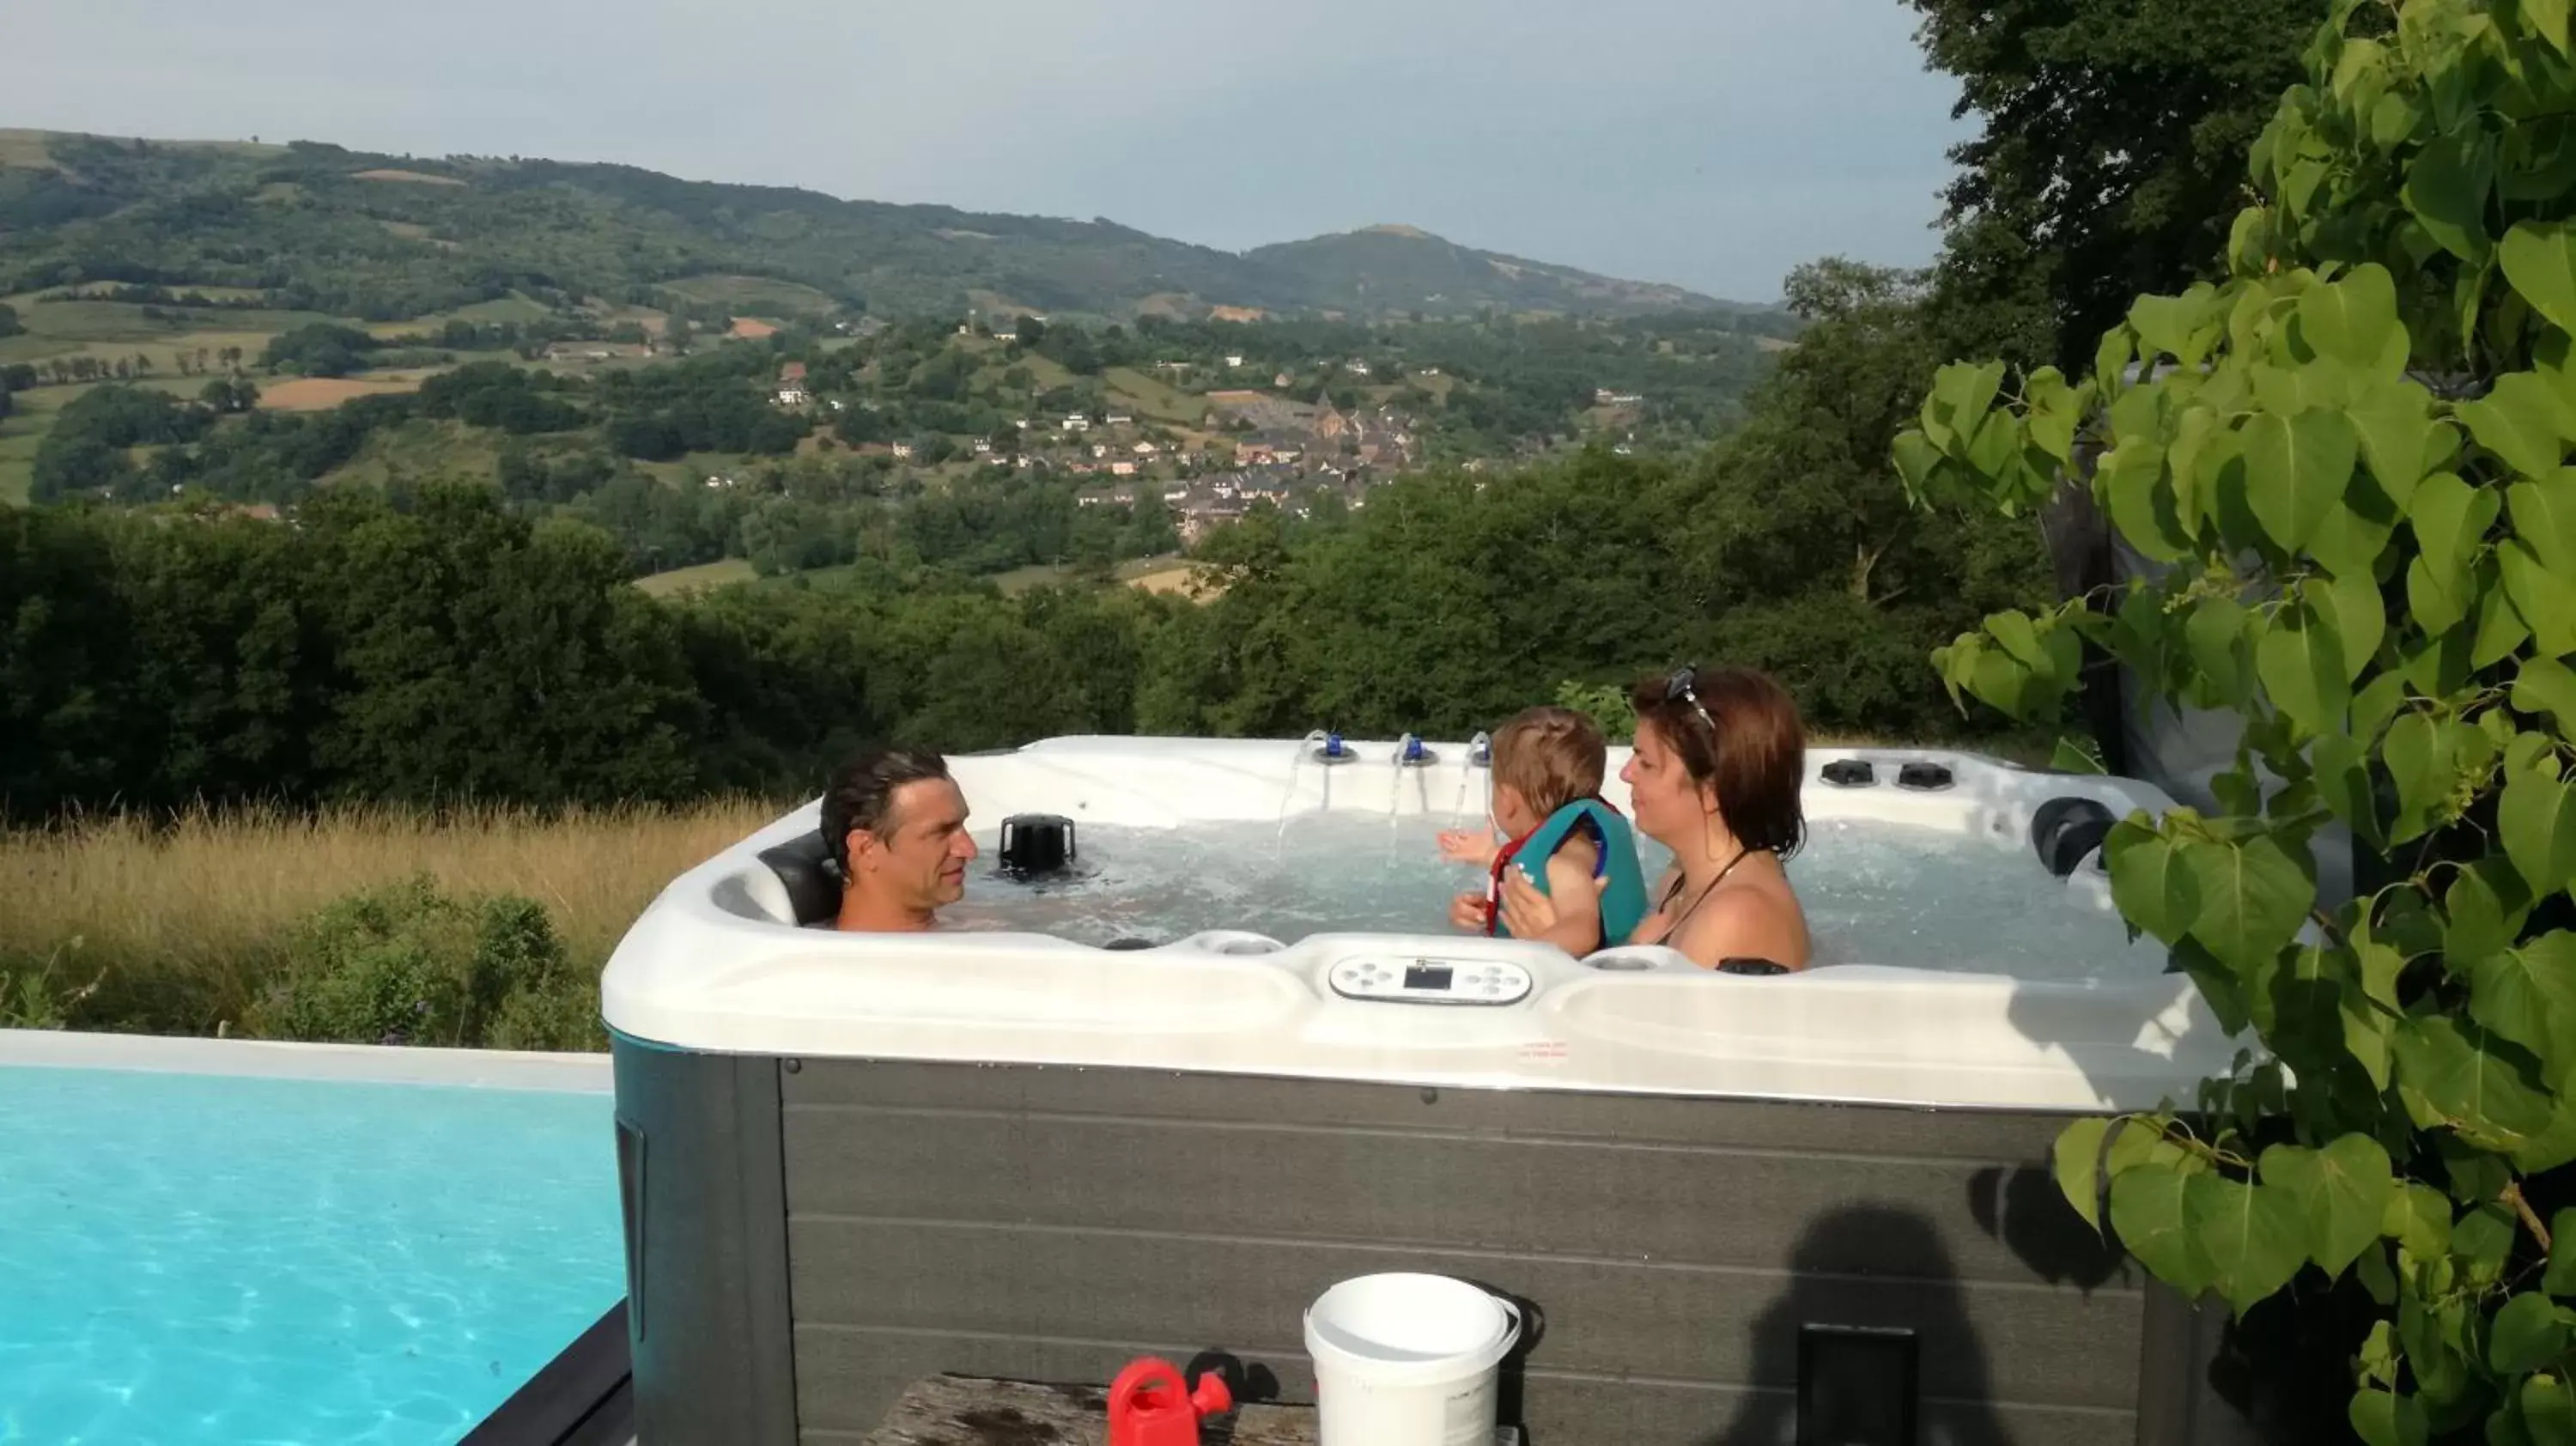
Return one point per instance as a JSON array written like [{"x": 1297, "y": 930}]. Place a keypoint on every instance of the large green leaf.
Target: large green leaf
[
  {"x": 2421, "y": 769},
  {"x": 2475, "y": 923},
  {"x": 2544, "y": 517},
  {"x": 2540, "y": 260},
  {"x": 2184, "y": 326},
  {"x": 2543, "y": 597},
  {"x": 2381, "y": 965},
  {"x": 2560, "y": 1277},
  {"x": 2548, "y": 20},
  {"x": 2529, "y": 1332},
  {"x": 2396, "y": 426},
  {"x": 2537, "y": 820},
  {"x": 2521, "y": 420},
  {"x": 2419, "y": 1219},
  {"x": 2150, "y": 881},
  {"x": 2450, "y": 519},
  {"x": 2141, "y": 505},
  {"x": 2383, "y": 1418},
  {"x": 2341, "y": 767},
  {"x": 2349, "y": 542},
  {"x": 2545, "y": 685},
  {"x": 2501, "y": 630},
  {"x": 2553, "y": 1146},
  {"x": 2548, "y": 1411},
  {"x": 2360, "y": 617},
  {"x": 2253, "y": 896},
  {"x": 2250, "y": 1235},
  {"x": 2446, "y": 189},
  {"x": 2375, "y": 703},
  {"x": 2078, "y": 1158},
  {"x": 2147, "y": 1209},
  {"x": 1917, "y": 459},
  {"x": 2352, "y": 318},
  {"x": 1956, "y": 407},
  {"x": 2296, "y": 469},
  {"x": 2456, "y": 1072},
  {"x": 2342, "y": 1193},
  {"x": 2527, "y": 994},
  {"x": 2300, "y": 659},
  {"x": 2215, "y": 635}
]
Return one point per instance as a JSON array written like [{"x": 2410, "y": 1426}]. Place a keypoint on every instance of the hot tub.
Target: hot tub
[{"x": 848, "y": 1162}]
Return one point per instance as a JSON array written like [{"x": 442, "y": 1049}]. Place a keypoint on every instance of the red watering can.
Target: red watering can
[{"x": 1147, "y": 1406}]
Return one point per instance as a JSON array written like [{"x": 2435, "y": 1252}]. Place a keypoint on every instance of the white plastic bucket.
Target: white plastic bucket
[{"x": 1407, "y": 1360}]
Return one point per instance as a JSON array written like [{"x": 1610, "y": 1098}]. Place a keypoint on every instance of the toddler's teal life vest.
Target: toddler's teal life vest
[{"x": 1623, "y": 902}]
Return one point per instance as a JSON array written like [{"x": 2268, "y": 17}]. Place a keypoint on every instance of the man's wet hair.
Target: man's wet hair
[{"x": 861, "y": 795}]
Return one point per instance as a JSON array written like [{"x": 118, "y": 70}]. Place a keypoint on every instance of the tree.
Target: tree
[
  {"x": 2110, "y": 158},
  {"x": 2373, "y": 575},
  {"x": 228, "y": 394},
  {"x": 9, "y": 323},
  {"x": 323, "y": 349}
]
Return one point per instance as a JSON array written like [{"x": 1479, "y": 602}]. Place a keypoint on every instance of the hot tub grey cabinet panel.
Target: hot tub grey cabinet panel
[{"x": 1051, "y": 1223}]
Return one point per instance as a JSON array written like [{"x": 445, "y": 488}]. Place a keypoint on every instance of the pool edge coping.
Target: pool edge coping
[{"x": 568, "y": 1073}]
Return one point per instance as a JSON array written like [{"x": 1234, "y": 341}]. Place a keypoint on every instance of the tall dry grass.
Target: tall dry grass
[{"x": 177, "y": 925}]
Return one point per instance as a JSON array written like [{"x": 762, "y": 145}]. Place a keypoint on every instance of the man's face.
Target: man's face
[{"x": 921, "y": 861}]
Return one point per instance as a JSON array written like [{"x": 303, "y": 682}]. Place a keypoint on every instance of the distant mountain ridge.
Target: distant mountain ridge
[{"x": 372, "y": 234}]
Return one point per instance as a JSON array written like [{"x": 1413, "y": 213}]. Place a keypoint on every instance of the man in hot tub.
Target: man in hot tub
[{"x": 897, "y": 823}]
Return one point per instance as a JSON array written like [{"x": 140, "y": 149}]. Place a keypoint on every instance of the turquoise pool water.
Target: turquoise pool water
[{"x": 192, "y": 1259}]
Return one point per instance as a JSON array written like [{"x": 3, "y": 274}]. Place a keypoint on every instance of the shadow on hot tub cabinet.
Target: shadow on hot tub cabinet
[{"x": 811, "y": 1235}]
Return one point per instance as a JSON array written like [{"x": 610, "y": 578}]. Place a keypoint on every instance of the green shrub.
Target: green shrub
[
  {"x": 407, "y": 964},
  {"x": 33, "y": 998},
  {"x": 1605, "y": 704}
]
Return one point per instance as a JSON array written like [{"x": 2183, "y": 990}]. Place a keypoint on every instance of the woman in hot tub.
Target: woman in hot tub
[{"x": 1719, "y": 760}]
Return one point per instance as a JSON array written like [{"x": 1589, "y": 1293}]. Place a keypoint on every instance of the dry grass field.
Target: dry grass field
[
  {"x": 321, "y": 394},
  {"x": 177, "y": 926}
]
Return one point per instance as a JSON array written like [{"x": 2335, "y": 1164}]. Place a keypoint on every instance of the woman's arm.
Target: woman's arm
[
  {"x": 1577, "y": 927},
  {"x": 1530, "y": 914}
]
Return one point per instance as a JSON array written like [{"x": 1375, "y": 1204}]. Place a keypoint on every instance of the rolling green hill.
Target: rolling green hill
[
  {"x": 1396, "y": 268},
  {"x": 318, "y": 227}
]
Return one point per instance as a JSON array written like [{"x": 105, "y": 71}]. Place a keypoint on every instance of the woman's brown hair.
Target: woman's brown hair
[{"x": 1737, "y": 732}]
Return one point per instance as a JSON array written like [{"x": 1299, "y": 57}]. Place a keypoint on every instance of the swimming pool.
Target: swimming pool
[{"x": 199, "y": 1258}]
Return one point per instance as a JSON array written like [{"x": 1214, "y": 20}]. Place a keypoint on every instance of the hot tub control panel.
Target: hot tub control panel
[{"x": 1416, "y": 980}]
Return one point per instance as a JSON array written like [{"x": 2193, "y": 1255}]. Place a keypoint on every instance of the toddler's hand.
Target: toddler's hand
[
  {"x": 1467, "y": 911},
  {"x": 1468, "y": 846}
]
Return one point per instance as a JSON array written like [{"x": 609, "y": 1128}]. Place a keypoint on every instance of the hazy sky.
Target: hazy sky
[{"x": 1714, "y": 143}]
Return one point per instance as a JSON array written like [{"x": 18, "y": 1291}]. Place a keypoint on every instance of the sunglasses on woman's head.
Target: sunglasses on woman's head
[{"x": 1682, "y": 687}]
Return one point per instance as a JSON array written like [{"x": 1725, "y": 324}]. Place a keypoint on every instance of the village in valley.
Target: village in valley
[{"x": 1251, "y": 447}]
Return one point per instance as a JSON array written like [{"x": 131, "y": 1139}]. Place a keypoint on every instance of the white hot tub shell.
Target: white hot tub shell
[{"x": 853, "y": 1160}]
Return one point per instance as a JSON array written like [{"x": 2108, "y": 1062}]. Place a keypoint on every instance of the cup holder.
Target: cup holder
[
  {"x": 1616, "y": 963},
  {"x": 1235, "y": 943}
]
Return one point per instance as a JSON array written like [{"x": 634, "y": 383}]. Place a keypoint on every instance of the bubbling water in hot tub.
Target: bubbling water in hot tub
[{"x": 1875, "y": 893}]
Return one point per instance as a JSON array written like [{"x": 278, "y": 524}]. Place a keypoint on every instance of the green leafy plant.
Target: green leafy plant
[
  {"x": 408, "y": 965},
  {"x": 2350, "y": 460},
  {"x": 1606, "y": 704},
  {"x": 31, "y": 999}
]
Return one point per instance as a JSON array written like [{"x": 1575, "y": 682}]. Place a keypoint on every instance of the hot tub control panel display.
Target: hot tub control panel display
[{"x": 1431, "y": 981}]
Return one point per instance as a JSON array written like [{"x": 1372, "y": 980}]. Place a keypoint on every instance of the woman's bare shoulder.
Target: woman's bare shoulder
[{"x": 1746, "y": 923}]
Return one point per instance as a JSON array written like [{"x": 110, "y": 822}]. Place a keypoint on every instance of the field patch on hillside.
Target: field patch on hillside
[
  {"x": 125, "y": 321},
  {"x": 417, "y": 178},
  {"x": 1154, "y": 398},
  {"x": 753, "y": 294},
  {"x": 1177, "y": 578},
  {"x": 25, "y": 149},
  {"x": 706, "y": 576},
  {"x": 321, "y": 394}
]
